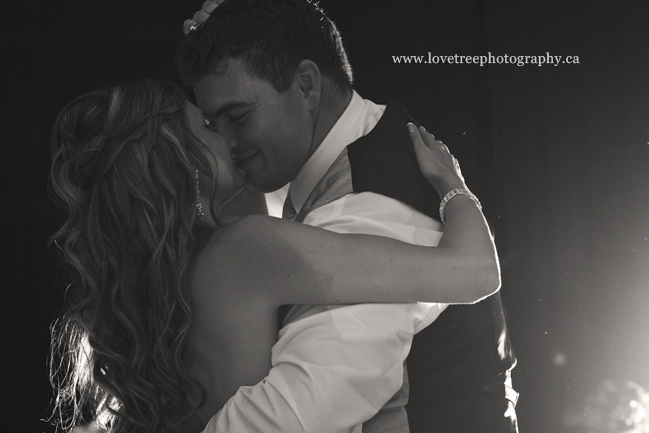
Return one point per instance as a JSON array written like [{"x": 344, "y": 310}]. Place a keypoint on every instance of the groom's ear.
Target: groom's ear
[{"x": 309, "y": 82}]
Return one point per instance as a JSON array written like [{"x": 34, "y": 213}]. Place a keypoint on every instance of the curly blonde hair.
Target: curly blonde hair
[{"x": 124, "y": 164}]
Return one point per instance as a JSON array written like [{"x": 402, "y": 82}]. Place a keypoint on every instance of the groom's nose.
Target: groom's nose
[{"x": 233, "y": 142}]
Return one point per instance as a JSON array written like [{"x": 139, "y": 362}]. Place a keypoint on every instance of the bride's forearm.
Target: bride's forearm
[
  {"x": 468, "y": 237},
  {"x": 289, "y": 263}
]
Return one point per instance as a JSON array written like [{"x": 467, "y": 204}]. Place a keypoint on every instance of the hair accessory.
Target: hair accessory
[
  {"x": 199, "y": 204},
  {"x": 190, "y": 27},
  {"x": 450, "y": 195}
]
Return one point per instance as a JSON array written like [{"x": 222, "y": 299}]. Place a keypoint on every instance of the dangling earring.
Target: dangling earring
[{"x": 199, "y": 204}]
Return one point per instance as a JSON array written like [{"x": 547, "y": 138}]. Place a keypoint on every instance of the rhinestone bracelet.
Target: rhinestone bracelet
[{"x": 450, "y": 195}]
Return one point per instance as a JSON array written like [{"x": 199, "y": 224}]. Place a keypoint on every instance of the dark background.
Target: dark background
[{"x": 558, "y": 155}]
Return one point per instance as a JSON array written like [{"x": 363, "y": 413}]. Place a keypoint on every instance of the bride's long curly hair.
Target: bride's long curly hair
[{"x": 124, "y": 168}]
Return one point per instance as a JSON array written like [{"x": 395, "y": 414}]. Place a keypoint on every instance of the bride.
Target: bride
[{"x": 172, "y": 311}]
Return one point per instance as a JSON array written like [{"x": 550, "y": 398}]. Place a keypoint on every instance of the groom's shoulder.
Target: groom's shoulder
[{"x": 384, "y": 162}]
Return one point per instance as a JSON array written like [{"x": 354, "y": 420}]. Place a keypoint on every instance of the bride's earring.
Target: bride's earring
[{"x": 199, "y": 204}]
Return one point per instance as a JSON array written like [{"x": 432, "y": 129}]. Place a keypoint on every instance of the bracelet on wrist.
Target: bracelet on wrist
[{"x": 454, "y": 193}]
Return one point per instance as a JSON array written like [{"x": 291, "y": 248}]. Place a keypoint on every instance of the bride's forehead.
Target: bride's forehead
[
  {"x": 194, "y": 114},
  {"x": 191, "y": 108}
]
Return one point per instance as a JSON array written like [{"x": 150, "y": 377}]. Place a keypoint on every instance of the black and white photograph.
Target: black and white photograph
[{"x": 301, "y": 216}]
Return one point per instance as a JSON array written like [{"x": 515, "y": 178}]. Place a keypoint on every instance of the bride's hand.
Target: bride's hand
[
  {"x": 201, "y": 16},
  {"x": 436, "y": 163}
]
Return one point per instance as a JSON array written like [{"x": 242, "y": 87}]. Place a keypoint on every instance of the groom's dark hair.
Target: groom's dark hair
[{"x": 270, "y": 37}]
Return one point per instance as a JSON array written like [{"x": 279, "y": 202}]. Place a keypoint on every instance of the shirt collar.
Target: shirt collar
[{"x": 357, "y": 120}]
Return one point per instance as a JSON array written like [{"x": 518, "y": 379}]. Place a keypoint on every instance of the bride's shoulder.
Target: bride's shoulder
[
  {"x": 247, "y": 232},
  {"x": 235, "y": 261},
  {"x": 234, "y": 245}
]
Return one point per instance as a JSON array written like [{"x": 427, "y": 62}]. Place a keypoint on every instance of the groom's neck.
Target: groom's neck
[{"x": 327, "y": 116}]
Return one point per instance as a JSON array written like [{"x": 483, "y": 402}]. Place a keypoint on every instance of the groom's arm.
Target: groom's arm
[
  {"x": 371, "y": 213},
  {"x": 329, "y": 374}
]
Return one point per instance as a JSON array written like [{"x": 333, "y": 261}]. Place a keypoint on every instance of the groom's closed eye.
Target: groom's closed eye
[
  {"x": 231, "y": 109},
  {"x": 238, "y": 117}
]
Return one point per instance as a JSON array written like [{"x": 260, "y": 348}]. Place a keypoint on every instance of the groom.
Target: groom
[{"x": 273, "y": 78}]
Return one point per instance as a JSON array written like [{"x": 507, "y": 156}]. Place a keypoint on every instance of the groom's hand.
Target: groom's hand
[{"x": 201, "y": 16}]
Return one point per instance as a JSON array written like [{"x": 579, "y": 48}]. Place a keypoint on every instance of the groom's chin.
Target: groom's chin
[
  {"x": 246, "y": 201},
  {"x": 263, "y": 184},
  {"x": 236, "y": 191},
  {"x": 251, "y": 186}
]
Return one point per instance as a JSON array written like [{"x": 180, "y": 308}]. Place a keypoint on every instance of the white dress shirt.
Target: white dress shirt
[{"x": 335, "y": 367}]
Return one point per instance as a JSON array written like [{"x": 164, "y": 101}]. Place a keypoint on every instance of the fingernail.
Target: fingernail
[
  {"x": 411, "y": 127},
  {"x": 422, "y": 128}
]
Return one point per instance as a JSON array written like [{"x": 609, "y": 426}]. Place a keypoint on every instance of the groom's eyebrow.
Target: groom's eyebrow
[{"x": 229, "y": 106}]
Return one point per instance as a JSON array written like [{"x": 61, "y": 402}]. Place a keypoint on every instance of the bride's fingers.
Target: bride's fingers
[
  {"x": 430, "y": 139},
  {"x": 440, "y": 149},
  {"x": 426, "y": 138},
  {"x": 417, "y": 140}
]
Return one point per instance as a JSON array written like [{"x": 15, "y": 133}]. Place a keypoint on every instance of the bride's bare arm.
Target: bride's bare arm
[
  {"x": 260, "y": 263},
  {"x": 288, "y": 263}
]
